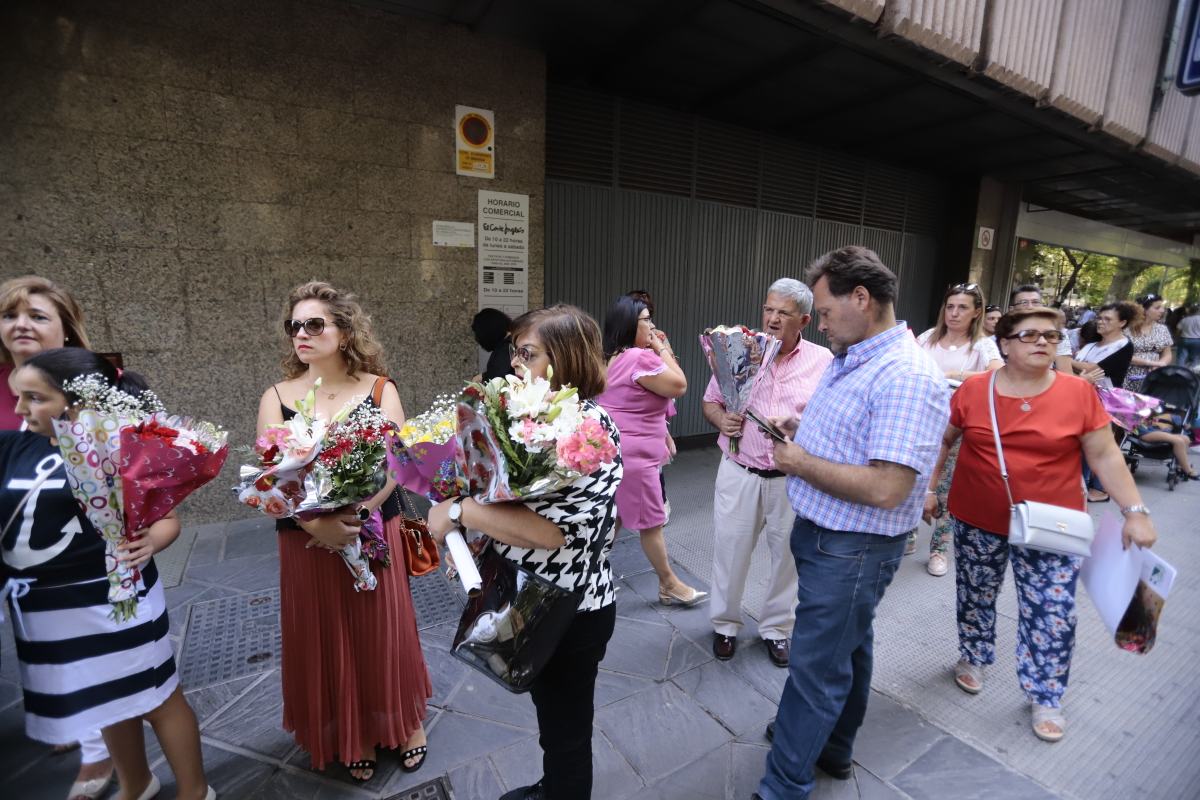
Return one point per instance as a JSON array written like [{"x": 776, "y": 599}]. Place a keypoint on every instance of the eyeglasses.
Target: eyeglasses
[
  {"x": 523, "y": 354},
  {"x": 646, "y": 319},
  {"x": 1027, "y": 302},
  {"x": 1030, "y": 336},
  {"x": 313, "y": 326}
]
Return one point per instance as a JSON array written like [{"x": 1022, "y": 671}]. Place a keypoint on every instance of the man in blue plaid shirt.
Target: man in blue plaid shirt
[{"x": 859, "y": 463}]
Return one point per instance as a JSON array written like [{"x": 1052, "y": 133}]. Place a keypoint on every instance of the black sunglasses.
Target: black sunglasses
[
  {"x": 990, "y": 309},
  {"x": 968, "y": 288},
  {"x": 314, "y": 326}
]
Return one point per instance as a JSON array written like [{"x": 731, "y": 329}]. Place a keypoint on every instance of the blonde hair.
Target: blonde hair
[
  {"x": 361, "y": 351},
  {"x": 976, "y": 331},
  {"x": 17, "y": 292}
]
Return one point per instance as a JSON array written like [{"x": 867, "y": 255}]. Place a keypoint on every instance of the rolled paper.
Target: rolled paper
[{"x": 464, "y": 563}]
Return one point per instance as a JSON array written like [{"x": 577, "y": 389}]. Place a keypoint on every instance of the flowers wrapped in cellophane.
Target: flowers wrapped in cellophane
[
  {"x": 129, "y": 464},
  {"x": 1127, "y": 409},
  {"x": 421, "y": 453},
  {"x": 737, "y": 355},
  {"x": 309, "y": 465}
]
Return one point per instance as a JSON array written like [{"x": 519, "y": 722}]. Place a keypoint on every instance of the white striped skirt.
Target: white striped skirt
[{"x": 80, "y": 669}]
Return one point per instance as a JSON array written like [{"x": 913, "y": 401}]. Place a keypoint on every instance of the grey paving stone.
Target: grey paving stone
[
  {"x": 659, "y": 729},
  {"x": 631, "y": 605},
  {"x": 230, "y": 774},
  {"x": 727, "y": 696},
  {"x": 872, "y": 788},
  {"x": 627, "y": 557},
  {"x": 445, "y": 671},
  {"x": 455, "y": 740},
  {"x": 206, "y": 550},
  {"x": 237, "y": 574},
  {"x": 481, "y": 697},
  {"x": 250, "y": 525},
  {"x": 9, "y": 693},
  {"x": 706, "y": 778},
  {"x": 752, "y": 663},
  {"x": 646, "y": 585},
  {"x": 288, "y": 785},
  {"x": 613, "y": 686},
  {"x": 18, "y": 753},
  {"x": 612, "y": 776},
  {"x": 892, "y": 737},
  {"x": 255, "y": 722},
  {"x": 250, "y": 543},
  {"x": 954, "y": 770},
  {"x": 639, "y": 648},
  {"x": 685, "y": 655},
  {"x": 475, "y": 780},
  {"x": 747, "y": 765}
]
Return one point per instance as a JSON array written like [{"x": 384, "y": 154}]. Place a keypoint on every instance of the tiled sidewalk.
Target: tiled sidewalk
[{"x": 671, "y": 722}]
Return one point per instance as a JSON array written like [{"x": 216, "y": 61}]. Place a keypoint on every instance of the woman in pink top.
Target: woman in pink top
[{"x": 643, "y": 378}]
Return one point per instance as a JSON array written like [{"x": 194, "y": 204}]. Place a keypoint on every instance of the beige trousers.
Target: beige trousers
[{"x": 745, "y": 505}]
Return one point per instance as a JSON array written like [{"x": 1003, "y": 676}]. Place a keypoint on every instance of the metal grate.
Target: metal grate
[
  {"x": 231, "y": 637},
  {"x": 435, "y": 599},
  {"x": 436, "y": 789}
]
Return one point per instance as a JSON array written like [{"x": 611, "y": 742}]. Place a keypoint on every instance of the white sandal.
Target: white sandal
[
  {"x": 1045, "y": 714},
  {"x": 90, "y": 790},
  {"x": 965, "y": 669},
  {"x": 152, "y": 789}
]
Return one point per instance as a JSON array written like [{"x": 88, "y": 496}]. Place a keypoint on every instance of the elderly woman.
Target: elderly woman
[
  {"x": 1048, "y": 422},
  {"x": 574, "y": 527},
  {"x": 1151, "y": 342},
  {"x": 959, "y": 347}
]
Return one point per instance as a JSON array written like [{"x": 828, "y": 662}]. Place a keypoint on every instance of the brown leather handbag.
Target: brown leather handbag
[{"x": 420, "y": 550}]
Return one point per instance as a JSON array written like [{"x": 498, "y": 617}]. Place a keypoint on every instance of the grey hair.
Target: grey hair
[{"x": 795, "y": 291}]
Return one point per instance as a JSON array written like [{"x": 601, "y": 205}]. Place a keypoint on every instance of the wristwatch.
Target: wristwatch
[
  {"x": 455, "y": 512},
  {"x": 1137, "y": 509}
]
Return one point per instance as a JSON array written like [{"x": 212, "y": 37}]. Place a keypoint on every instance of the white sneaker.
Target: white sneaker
[{"x": 938, "y": 565}]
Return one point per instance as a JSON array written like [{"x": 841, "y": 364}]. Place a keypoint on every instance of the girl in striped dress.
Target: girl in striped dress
[{"x": 81, "y": 670}]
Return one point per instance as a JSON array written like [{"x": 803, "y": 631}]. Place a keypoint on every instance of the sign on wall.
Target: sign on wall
[
  {"x": 504, "y": 251},
  {"x": 987, "y": 237},
  {"x": 1187, "y": 77},
  {"x": 475, "y": 134}
]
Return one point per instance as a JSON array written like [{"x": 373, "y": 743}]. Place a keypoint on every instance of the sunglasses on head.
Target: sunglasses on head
[
  {"x": 968, "y": 288},
  {"x": 313, "y": 326},
  {"x": 990, "y": 309}
]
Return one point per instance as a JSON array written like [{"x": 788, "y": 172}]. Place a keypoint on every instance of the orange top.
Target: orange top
[{"x": 1041, "y": 448}]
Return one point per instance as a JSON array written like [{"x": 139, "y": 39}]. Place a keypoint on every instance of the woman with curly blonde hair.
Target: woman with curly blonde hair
[{"x": 354, "y": 677}]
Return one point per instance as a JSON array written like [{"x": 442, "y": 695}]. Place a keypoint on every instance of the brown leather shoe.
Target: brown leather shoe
[
  {"x": 724, "y": 646},
  {"x": 778, "y": 650}
]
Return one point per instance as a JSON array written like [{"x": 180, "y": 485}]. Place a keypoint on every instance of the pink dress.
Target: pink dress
[{"x": 641, "y": 418}]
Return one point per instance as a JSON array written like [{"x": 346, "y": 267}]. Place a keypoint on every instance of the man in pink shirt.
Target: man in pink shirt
[{"x": 751, "y": 494}]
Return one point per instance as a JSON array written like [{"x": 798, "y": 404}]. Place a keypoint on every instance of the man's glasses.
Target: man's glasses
[
  {"x": 1031, "y": 336},
  {"x": 1027, "y": 303},
  {"x": 523, "y": 354},
  {"x": 313, "y": 326}
]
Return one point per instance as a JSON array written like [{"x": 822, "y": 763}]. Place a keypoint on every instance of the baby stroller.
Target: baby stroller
[{"x": 1179, "y": 390}]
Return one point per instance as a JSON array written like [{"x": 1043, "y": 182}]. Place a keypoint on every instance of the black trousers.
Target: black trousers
[{"x": 564, "y": 696}]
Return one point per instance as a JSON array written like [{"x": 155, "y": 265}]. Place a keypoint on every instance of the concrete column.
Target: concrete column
[{"x": 996, "y": 209}]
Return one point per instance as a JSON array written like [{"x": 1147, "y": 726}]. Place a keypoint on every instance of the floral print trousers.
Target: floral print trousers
[{"x": 1045, "y": 586}]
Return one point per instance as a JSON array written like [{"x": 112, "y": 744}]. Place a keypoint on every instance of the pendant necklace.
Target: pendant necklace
[{"x": 1025, "y": 406}]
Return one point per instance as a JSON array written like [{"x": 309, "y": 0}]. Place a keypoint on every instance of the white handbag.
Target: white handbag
[{"x": 1041, "y": 526}]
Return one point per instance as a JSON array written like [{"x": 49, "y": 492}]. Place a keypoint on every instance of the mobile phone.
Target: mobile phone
[{"x": 766, "y": 427}]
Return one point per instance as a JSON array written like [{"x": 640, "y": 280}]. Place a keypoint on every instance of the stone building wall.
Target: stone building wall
[{"x": 180, "y": 166}]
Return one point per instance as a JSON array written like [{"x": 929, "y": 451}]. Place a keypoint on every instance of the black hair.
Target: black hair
[
  {"x": 1150, "y": 300},
  {"x": 620, "y": 324},
  {"x": 63, "y": 364},
  {"x": 1088, "y": 333},
  {"x": 853, "y": 266},
  {"x": 644, "y": 296},
  {"x": 1024, "y": 287},
  {"x": 491, "y": 326}
]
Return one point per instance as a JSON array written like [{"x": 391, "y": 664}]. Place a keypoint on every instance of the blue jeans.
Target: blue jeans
[{"x": 842, "y": 577}]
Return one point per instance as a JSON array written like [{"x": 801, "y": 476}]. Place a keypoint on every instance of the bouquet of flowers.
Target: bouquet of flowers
[
  {"x": 1127, "y": 409},
  {"x": 129, "y": 464},
  {"x": 737, "y": 355},
  {"x": 309, "y": 465},
  {"x": 421, "y": 454}
]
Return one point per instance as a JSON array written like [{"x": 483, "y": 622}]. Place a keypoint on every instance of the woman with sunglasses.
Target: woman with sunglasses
[
  {"x": 1048, "y": 422},
  {"x": 1152, "y": 342},
  {"x": 564, "y": 538},
  {"x": 36, "y": 315},
  {"x": 643, "y": 379},
  {"x": 959, "y": 347},
  {"x": 354, "y": 677}
]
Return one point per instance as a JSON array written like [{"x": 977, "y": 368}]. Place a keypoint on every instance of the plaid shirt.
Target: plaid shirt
[{"x": 884, "y": 399}]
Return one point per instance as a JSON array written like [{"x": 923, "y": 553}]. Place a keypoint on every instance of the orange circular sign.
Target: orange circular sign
[{"x": 475, "y": 130}]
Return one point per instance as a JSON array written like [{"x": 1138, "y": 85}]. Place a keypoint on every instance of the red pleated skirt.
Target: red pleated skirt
[{"x": 353, "y": 671}]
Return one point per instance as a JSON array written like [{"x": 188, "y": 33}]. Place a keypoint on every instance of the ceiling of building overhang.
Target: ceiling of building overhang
[{"x": 795, "y": 68}]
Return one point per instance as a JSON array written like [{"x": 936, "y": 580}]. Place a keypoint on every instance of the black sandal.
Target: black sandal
[
  {"x": 407, "y": 754},
  {"x": 362, "y": 766}
]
